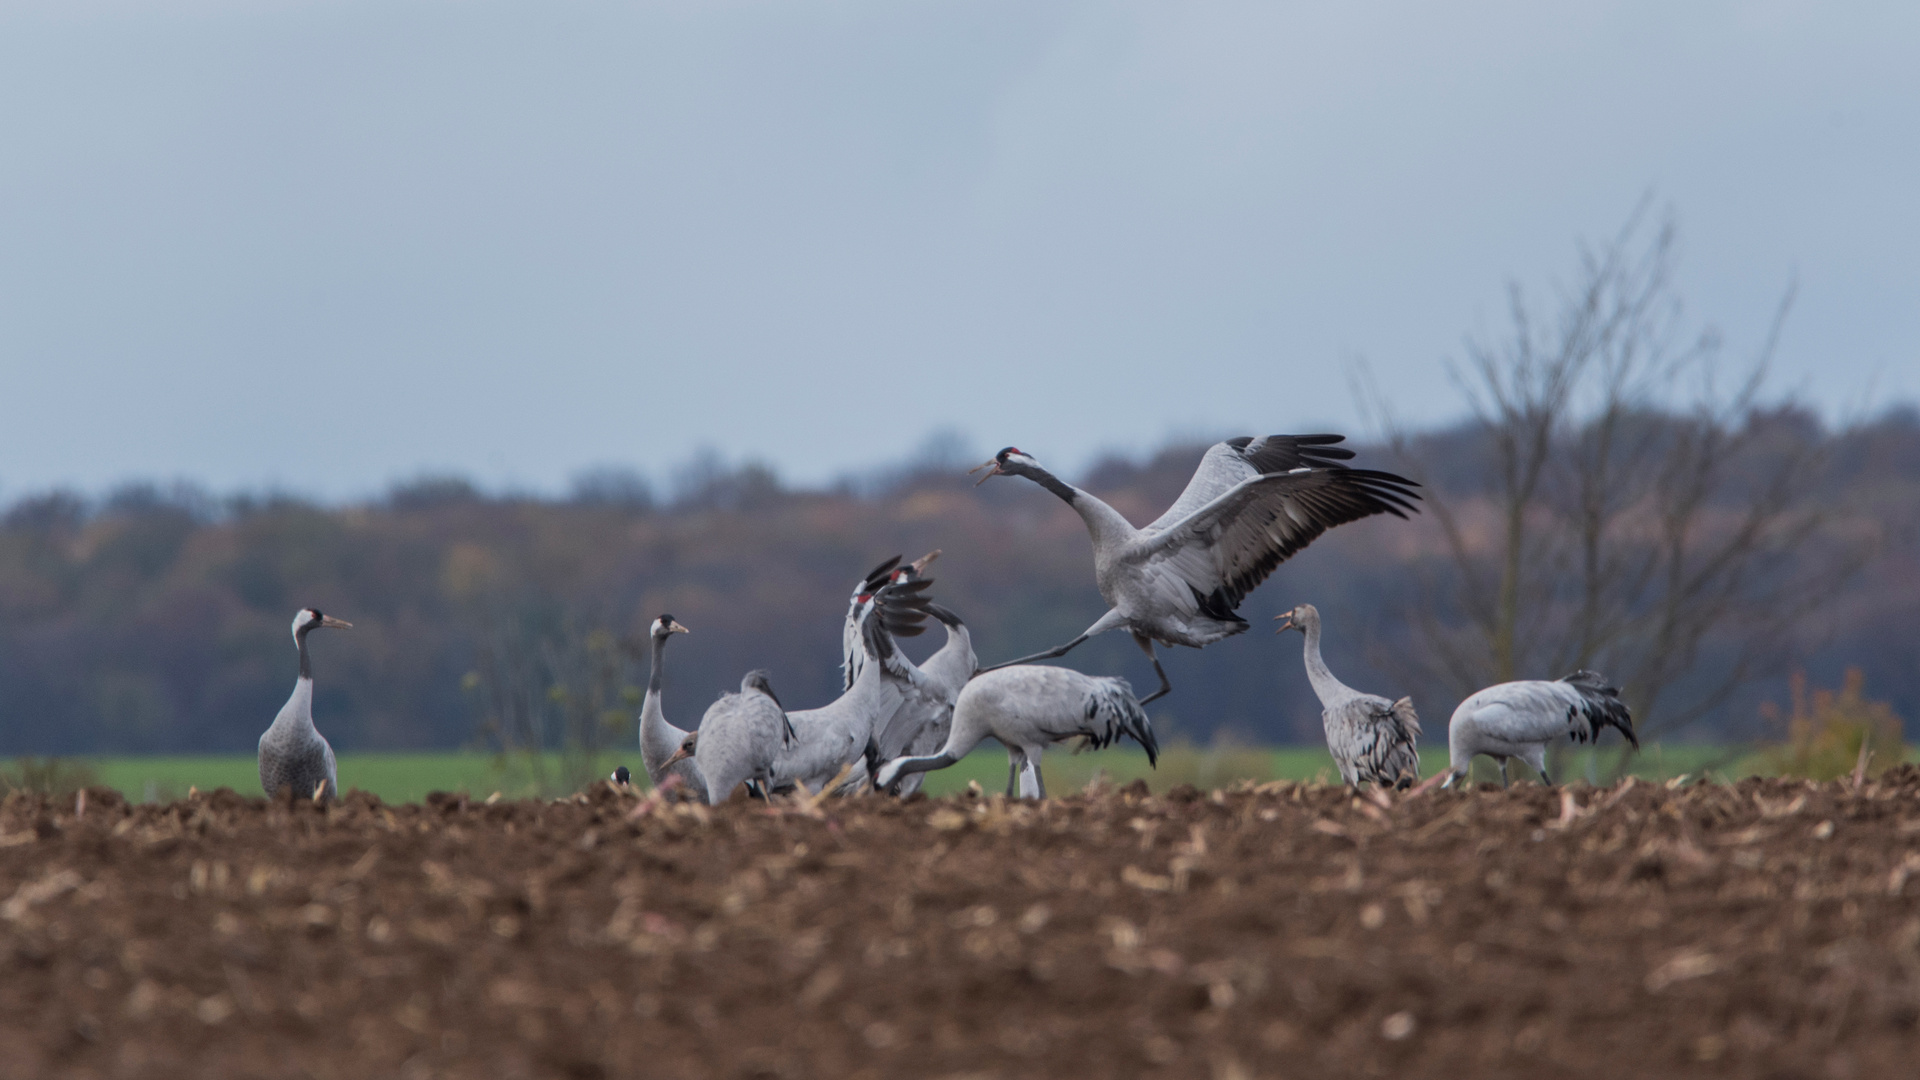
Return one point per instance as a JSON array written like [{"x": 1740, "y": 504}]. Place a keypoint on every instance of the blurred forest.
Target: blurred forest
[{"x": 157, "y": 619}]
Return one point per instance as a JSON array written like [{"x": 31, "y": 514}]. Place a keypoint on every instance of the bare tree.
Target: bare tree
[
  {"x": 1641, "y": 512},
  {"x": 546, "y": 677}
]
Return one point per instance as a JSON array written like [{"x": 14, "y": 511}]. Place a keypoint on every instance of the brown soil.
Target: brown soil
[{"x": 1764, "y": 929}]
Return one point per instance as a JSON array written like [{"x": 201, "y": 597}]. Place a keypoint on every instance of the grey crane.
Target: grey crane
[
  {"x": 293, "y": 753},
  {"x": 1371, "y": 739},
  {"x": 836, "y": 735},
  {"x": 738, "y": 739},
  {"x": 853, "y": 655},
  {"x": 660, "y": 740},
  {"x": 1251, "y": 504},
  {"x": 920, "y": 723},
  {"x": 1029, "y": 708},
  {"x": 1519, "y": 719}
]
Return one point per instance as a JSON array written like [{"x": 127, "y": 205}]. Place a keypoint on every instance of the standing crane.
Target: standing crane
[
  {"x": 1371, "y": 739},
  {"x": 293, "y": 753},
  {"x": 659, "y": 740},
  {"x": 1251, "y": 505},
  {"x": 1028, "y": 709},
  {"x": 1519, "y": 719}
]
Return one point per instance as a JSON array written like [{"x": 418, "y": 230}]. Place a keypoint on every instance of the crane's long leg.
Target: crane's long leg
[
  {"x": 1031, "y": 786},
  {"x": 1013, "y": 772},
  {"x": 1058, "y": 650},
  {"x": 1112, "y": 620},
  {"x": 1146, "y": 646}
]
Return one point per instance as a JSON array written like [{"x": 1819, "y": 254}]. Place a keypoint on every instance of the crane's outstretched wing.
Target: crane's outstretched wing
[
  {"x": 1227, "y": 547},
  {"x": 852, "y": 657},
  {"x": 897, "y": 610},
  {"x": 1236, "y": 460}
]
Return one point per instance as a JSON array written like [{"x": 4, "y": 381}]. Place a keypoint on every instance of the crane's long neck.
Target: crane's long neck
[
  {"x": 1327, "y": 688},
  {"x": 954, "y": 663},
  {"x": 297, "y": 713},
  {"x": 1103, "y": 521},
  {"x": 658, "y": 739}
]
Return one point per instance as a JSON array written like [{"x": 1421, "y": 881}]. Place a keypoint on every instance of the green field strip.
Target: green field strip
[{"x": 410, "y": 777}]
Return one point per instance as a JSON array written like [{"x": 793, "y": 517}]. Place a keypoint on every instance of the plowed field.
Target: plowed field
[{"x": 1767, "y": 929}]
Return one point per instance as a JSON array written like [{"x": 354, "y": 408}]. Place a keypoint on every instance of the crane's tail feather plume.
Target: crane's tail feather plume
[
  {"x": 1409, "y": 720},
  {"x": 1600, "y": 704},
  {"x": 1113, "y": 711}
]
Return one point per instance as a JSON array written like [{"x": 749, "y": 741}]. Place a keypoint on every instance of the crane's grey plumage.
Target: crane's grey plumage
[
  {"x": 293, "y": 753},
  {"x": 853, "y": 654},
  {"x": 1371, "y": 739},
  {"x": 738, "y": 739},
  {"x": 1029, "y": 708},
  {"x": 837, "y": 735},
  {"x": 659, "y": 740},
  {"x": 920, "y": 722},
  {"x": 1519, "y": 719},
  {"x": 1251, "y": 504}
]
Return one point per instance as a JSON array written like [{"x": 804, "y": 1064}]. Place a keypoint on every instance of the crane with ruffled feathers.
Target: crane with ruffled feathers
[{"x": 1372, "y": 740}]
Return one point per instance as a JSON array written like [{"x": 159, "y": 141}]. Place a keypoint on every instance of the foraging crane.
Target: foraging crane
[
  {"x": 1519, "y": 719},
  {"x": 834, "y": 736},
  {"x": 659, "y": 740},
  {"x": 1029, "y": 708},
  {"x": 293, "y": 753},
  {"x": 738, "y": 739},
  {"x": 1370, "y": 738},
  {"x": 1251, "y": 504}
]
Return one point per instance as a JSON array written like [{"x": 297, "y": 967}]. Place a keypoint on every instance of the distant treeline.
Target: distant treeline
[{"x": 157, "y": 619}]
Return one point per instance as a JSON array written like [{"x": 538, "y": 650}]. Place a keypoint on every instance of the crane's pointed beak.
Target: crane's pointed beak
[
  {"x": 994, "y": 465},
  {"x": 676, "y": 628},
  {"x": 1286, "y": 625},
  {"x": 678, "y": 755},
  {"x": 337, "y": 624},
  {"x": 920, "y": 565}
]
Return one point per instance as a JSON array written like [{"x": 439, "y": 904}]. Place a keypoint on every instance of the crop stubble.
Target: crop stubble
[{"x": 1767, "y": 928}]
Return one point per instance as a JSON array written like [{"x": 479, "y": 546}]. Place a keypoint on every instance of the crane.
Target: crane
[
  {"x": 1251, "y": 504},
  {"x": 293, "y": 753},
  {"x": 836, "y": 735},
  {"x": 1027, "y": 709},
  {"x": 1371, "y": 739},
  {"x": 738, "y": 739},
  {"x": 919, "y": 724},
  {"x": 1519, "y": 719},
  {"x": 660, "y": 740}
]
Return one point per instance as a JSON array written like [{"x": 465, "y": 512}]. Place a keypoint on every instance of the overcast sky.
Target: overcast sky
[{"x": 326, "y": 245}]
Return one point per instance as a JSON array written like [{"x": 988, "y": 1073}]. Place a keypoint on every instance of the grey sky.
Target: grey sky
[{"x": 325, "y": 245}]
